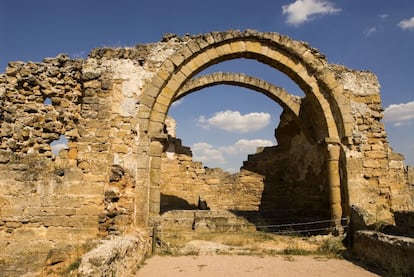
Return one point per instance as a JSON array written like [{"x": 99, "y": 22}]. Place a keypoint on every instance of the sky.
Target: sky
[{"x": 222, "y": 124}]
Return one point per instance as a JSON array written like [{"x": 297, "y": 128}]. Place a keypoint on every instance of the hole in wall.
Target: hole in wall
[
  {"x": 59, "y": 144},
  {"x": 47, "y": 101}
]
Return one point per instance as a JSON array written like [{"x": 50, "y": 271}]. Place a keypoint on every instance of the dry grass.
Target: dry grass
[{"x": 254, "y": 243}]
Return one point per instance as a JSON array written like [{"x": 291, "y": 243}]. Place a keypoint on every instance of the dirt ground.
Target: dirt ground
[{"x": 241, "y": 265}]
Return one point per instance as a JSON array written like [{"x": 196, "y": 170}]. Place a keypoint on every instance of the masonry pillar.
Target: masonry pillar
[
  {"x": 154, "y": 197},
  {"x": 334, "y": 186}
]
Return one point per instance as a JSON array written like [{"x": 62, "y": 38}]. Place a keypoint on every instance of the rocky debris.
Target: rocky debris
[
  {"x": 199, "y": 247},
  {"x": 117, "y": 215},
  {"x": 116, "y": 256}
]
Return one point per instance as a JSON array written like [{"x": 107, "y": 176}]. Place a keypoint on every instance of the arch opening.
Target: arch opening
[
  {"x": 306, "y": 82},
  {"x": 269, "y": 196},
  {"x": 294, "y": 59}
]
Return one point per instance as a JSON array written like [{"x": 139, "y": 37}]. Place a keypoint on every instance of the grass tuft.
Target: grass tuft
[{"x": 253, "y": 243}]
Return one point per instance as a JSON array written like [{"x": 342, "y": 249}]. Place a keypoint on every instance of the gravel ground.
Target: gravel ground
[{"x": 239, "y": 265}]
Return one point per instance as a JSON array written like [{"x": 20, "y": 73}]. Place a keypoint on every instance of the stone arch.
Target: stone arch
[
  {"x": 278, "y": 94},
  {"x": 289, "y": 102},
  {"x": 303, "y": 64}
]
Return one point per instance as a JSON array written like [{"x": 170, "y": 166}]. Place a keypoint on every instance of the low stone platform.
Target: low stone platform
[
  {"x": 204, "y": 220},
  {"x": 394, "y": 253}
]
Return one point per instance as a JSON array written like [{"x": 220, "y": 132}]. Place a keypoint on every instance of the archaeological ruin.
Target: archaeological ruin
[{"x": 124, "y": 168}]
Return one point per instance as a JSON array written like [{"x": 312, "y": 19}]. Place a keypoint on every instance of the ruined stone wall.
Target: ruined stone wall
[
  {"x": 373, "y": 172},
  {"x": 284, "y": 182},
  {"x": 106, "y": 181},
  {"x": 294, "y": 173},
  {"x": 373, "y": 177},
  {"x": 46, "y": 201},
  {"x": 89, "y": 190},
  {"x": 184, "y": 181}
]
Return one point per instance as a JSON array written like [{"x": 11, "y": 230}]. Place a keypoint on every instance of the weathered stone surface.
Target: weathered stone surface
[
  {"x": 202, "y": 221},
  {"x": 183, "y": 182},
  {"x": 112, "y": 109},
  {"x": 392, "y": 253},
  {"x": 117, "y": 256}
]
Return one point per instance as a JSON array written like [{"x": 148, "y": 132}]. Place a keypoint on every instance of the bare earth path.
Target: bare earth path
[{"x": 233, "y": 265}]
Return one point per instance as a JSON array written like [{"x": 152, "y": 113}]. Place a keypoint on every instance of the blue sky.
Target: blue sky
[{"x": 375, "y": 35}]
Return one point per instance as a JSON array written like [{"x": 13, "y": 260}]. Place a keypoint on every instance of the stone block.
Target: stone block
[
  {"x": 370, "y": 163},
  {"x": 396, "y": 165},
  {"x": 91, "y": 177},
  {"x": 120, "y": 148},
  {"x": 251, "y": 179},
  {"x": 213, "y": 181}
]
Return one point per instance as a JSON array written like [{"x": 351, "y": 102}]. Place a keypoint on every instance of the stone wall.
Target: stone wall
[
  {"x": 202, "y": 221},
  {"x": 89, "y": 190},
  {"x": 373, "y": 176},
  {"x": 373, "y": 172},
  {"x": 294, "y": 174},
  {"x": 184, "y": 182},
  {"x": 47, "y": 202},
  {"x": 119, "y": 162},
  {"x": 394, "y": 254},
  {"x": 410, "y": 175}
]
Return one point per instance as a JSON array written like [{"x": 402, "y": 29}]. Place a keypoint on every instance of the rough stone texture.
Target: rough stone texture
[
  {"x": 404, "y": 222},
  {"x": 203, "y": 221},
  {"x": 295, "y": 188},
  {"x": 111, "y": 176},
  {"x": 286, "y": 100},
  {"x": 183, "y": 182},
  {"x": 85, "y": 192},
  {"x": 393, "y": 253},
  {"x": 410, "y": 175},
  {"x": 375, "y": 174},
  {"x": 119, "y": 256}
]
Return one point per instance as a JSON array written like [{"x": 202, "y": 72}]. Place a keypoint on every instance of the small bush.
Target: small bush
[
  {"x": 332, "y": 247},
  {"x": 296, "y": 251},
  {"x": 72, "y": 267}
]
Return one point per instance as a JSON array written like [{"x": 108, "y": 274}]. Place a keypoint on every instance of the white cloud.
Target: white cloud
[
  {"x": 178, "y": 102},
  {"x": 222, "y": 155},
  {"x": 245, "y": 146},
  {"x": 400, "y": 114},
  {"x": 233, "y": 121},
  {"x": 370, "y": 31},
  {"x": 384, "y": 15},
  {"x": 301, "y": 10},
  {"x": 206, "y": 153},
  {"x": 57, "y": 147},
  {"x": 407, "y": 24},
  {"x": 202, "y": 120},
  {"x": 79, "y": 55}
]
